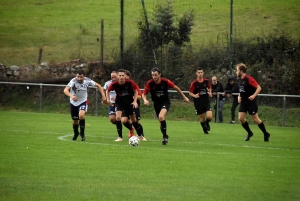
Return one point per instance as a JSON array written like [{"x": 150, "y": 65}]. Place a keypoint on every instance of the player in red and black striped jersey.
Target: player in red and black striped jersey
[
  {"x": 158, "y": 88},
  {"x": 249, "y": 89},
  {"x": 126, "y": 100},
  {"x": 200, "y": 90}
]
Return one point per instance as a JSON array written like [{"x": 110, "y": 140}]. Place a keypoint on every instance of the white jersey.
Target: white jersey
[
  {"x": 80, "y": 90},
  {"x": 112, "y": 94}
]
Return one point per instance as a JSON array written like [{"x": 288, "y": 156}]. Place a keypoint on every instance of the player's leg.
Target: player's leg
[
  {"x": 233, "y": 107},
  {"x": 242, "y": 119},
  {"x": 75, "y": 120},
  {"x": 203, "y": 122},
  {"x": 119, "y": 110},
  {"x": 82, "y": 110},
  {"x": 138, "y": 118},
  {"x": 259, "y": 122},
  {"x": 112, "y": 114},
  {"x": 163, "y": 124},
  {"x": 208, "y": 112}
]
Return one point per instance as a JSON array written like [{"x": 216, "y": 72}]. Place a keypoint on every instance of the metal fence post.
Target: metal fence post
[
  {"x": 283, "y": 111},
  {"x": 41, "y": 96}
]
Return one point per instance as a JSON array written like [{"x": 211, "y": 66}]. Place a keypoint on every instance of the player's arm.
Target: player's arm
[
  {"x": 181, "y": 93},
  {"x": 101, "y": 90},
  {"x": 68, "y": 93},
  {"x": 209, "y": 89},
  {"x": 145, "y": 92},
  {"x": 257, "y": 91}
]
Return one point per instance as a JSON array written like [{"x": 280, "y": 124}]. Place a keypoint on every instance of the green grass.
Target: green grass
[
  {"x": 25, "y": 25},
  {"x": 40, "y": 162}
]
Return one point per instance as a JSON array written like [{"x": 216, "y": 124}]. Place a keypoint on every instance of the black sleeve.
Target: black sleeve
[{"x": 227, "y": 89}]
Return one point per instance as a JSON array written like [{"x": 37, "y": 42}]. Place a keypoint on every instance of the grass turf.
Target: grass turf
[{"x": 40, "y": 162}]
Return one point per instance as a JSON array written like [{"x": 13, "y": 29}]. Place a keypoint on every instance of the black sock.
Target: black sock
[
  {"x": 203, "y": 124},
  {"x": 262, "y": 128},
  {"x": 163, "y": 128},
  {"x": 141, "y": 129},
  {"x": 82, "y": 127},
  {"x": 128, "y": 125},
  {"x": 207, "y": 120},
  {"x": 246, "y": 127},
  {"x": 75, "y": 129},
  {"x": 119, "y": 128},
  {"x": 137, "y": 127}
]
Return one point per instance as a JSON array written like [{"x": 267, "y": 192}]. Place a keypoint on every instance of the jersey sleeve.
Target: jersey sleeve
[
  {"x": 71, "y": 83},
  {"x": 105, "y": 85},
  {"x": 110, "y": 87},
  {"x": 92, "y": 83},
  {"x": 139, "y": 90},
  {"x": 208, "y": 84},
  {"x": 192, "y": 87},
  {"x": 252, "y": 82},
  {"x": 171, "y": 84},
  {"x": 146, "y": 88}
]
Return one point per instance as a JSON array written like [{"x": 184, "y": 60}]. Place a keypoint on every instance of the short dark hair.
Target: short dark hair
[
  {"x": 127, "y": 72},
  {"x": 121, "y": 70},
  {"x": 80, "y": 72},
  {"x": 199, "y": 68},
  {"x": 155, "y": 69}
]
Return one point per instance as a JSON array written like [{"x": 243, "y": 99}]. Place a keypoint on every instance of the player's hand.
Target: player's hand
[
  {"x": 210, "y": 94},
  {"x": 146, "y": 102},
  {"x": 197, "y": 95},
  {"x": 103, "y": 101},
  {"x": 186, "y": 100},
  {"x": 239, "y": 99},
  {"x": 74, "y": 98},
  {"x": 251, "y": 97},
  {"x": 135, "y": 105}
]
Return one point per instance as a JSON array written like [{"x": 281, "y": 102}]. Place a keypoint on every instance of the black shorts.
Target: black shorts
[
  {"x": 111, "y": 110},
  {"x": 159, "y": 107},
  {"x": 128, "y": 109},
  {"x": 250, "y": 107},
  {"x": 201, "y": 109},
  {"x": 75, "y": 110},
  {"x": 136, "y": 112}
]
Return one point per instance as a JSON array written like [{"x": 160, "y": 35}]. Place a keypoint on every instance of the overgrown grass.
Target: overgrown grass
[
  {"x": 70, "y": 28},
  {"x": 40, "y": 162}
]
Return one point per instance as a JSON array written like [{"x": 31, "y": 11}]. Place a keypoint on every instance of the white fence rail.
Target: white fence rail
[{"x": 284, "y": 97}]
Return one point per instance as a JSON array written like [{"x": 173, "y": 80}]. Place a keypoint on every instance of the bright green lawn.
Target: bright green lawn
[
  {"x": 40, "y": 162},
  {"x": 25, "y": 25}
]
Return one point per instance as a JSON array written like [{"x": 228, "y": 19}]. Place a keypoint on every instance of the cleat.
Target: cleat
[
  {"x": 142, "y": 138},
  {"x": 83, "y": 139},
  {"x": 232, "y": 122},
  {"x": 248, "y": 136},
  {"x": 165, "y": 140},
  {"x": 119, "y": 139},
  {"x": 266, "y": 137},
  {"x": 75, "y": 136},
  {"x": 205, "y": 132},
  {"x": 131, "y": 133},
  {"x": 207, "y": 126}
]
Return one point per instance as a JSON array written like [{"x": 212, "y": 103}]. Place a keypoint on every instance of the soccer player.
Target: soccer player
[
  {"x": 125, "y": 118},
  {"x": 249, "y": 89},
  {"x": 232, "y": 87},
  {"x": 111, "y": 107},
  {"x": 77, "y": 91},
  {"x": 200, "y": 90},
  {"x": 158, "y": 88},
  {"x": 126, "y": 100},
  {"x": 218, "y": 87}
]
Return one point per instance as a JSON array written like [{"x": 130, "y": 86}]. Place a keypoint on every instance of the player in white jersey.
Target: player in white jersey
[
  {"x": 111, "y": 107},
  {"x": 77, "y": 91}
]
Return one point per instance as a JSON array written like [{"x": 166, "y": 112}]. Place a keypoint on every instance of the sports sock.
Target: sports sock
[
  {"x": 163, "y": 128},
  {"x": 203, "y": 124},
  {"x": 82, "y": 126},
  {"x": 119, "y": 128},
  {"x": 207, "y": 120},
  {"x": 137, "y": 127},
  {"x": 128, "y": 125},
  {"x": 246, "y": 127},
  {"x": 262, "y": 127},
  {"x": 142, "y": 130},
  {"x": 75, "y": 129}
]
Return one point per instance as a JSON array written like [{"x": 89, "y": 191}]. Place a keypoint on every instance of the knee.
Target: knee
[
  {"x": 161, "y": 118},
  {"x": 124, "y": 121}
]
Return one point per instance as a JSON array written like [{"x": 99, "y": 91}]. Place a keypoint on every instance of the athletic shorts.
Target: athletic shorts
[
  {"x": 111, "y": 110},
  {"x": 201, "y": 109},
  {"x": 125, "y": 109},
  {"x": 136, "y": 112},
  {"x": 250, "y": 107},
  {"x": 159, "y": 107},
  {"x": 75, "y": 110}
]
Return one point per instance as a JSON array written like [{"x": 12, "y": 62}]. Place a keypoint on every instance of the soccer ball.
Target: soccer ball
[{"x": 134, "y": 141}]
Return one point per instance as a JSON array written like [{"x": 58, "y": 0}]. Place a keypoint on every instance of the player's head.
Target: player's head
[
  {"x": 199, "y": 72},
  {"x": 80, "y": 74},
  {"x": 214, "y": 80},
  {"x": 241, "y": 69},
  {"x": 231, "y": 79},
  {"x": 121, "y": 76},
  {"x": 127, "y": 74},
  {"x": 113, "y": 75},
  {"x": 156, "y": 74}
]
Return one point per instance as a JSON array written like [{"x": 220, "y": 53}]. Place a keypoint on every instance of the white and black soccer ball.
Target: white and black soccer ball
[{"x": 134, "y": 141}]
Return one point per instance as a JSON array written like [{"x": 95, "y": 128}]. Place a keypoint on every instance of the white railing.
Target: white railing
[{"x": 171, "y": 91}]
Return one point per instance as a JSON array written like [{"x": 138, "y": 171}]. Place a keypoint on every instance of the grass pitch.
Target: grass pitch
[{"x": 40, "y": 162}]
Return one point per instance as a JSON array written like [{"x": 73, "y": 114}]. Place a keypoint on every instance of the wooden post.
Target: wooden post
[{"x": 40, "y": 55}]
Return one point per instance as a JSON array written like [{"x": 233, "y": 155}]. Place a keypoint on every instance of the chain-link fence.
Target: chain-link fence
[{"x": 274, "y": 109}]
